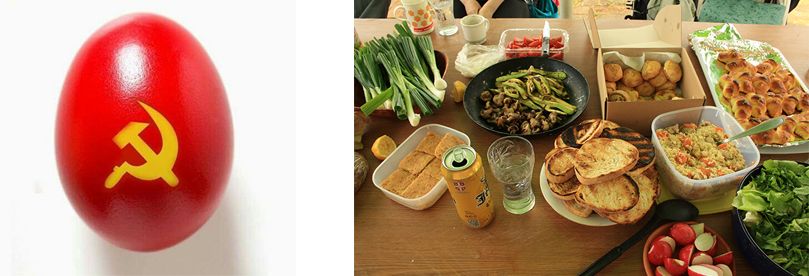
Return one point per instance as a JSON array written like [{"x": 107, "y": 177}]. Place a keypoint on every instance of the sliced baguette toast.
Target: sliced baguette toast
[
  {"x": 559, "y": 165},
  {"x": 648, "y": 191},
  {"x": 646, "y": 151},
  {"x": 575, "y": 136},
  {"x": 603, "y": 159},
  {"x": 565, "y": 190},
  {"x": 577, "y": 209},
  {"x": 616, "y": 195}
]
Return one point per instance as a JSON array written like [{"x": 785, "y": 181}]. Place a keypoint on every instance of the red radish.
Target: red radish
[
  {"x": 714, "y": 268},
  {"x": 698, "y": 270},
  {"x": 701, "y": 258},
  {"x": 675, "y": 266},
  {"x": 699, "y": 228},
  {"x": 704, "y": 242},
  {"x": 660, "y": 271},
  {"x": 659, "y": 251},
  {"x": 725, "y": 270},
  {"x": 666, "y": 239},
  {"x": 682, "y": 233},
  {"x": 724, "y": 258},
  {"x": 712, "y": 251},
  {"x": 685, "y": 254}
]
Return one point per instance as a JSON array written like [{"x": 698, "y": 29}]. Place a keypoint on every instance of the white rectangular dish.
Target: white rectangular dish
[{"x": 392, "y": 162}]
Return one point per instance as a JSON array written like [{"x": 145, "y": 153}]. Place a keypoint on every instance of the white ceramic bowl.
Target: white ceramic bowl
[
  {"x": 392, "y": 162},
  {"x": 691, "y": 189}
]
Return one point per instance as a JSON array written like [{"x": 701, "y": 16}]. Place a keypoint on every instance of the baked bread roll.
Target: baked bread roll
[
  {"x": 651, "y": 68},
  {"x": 632, "y": 78},
  {"x": 673, "y": 71},
  {"x": 613, "y": 72}
]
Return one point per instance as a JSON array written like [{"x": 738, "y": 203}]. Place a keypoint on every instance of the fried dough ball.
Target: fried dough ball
[
  {"x": 761, "y": 84},
  {"x": 659, "y": 80},
  {"x": 789, "y": 105},
  {"x": 673, "y": 71},
  {"x": 724, "y": 80},
  {"x": 759, "y": 105},
  {"x": 802, "y": 129},
  {"x": 613, "y": 72},
  {"x": 729, "y": 56},
  {"x": 767, "y": 67},
  {"x": 665, "y": 94},
  {"x": 631, "y": 78},
  {"x": 651, "y": 68},
  {"x": 745, "y": 85},
  {"x": 730, "y": 90},
  {"x": 645, "y": 89},
  {"x": 621, "y": 86},
  {"x": 774, "y": 104},
  {"x": 777, "y": 85},
  {"x": 667, "y": 86},
  {"x": 610, "y": 86}
]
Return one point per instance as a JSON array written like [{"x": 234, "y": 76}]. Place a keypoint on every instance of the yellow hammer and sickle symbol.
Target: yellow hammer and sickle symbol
[{"x": 158, "y": 165}]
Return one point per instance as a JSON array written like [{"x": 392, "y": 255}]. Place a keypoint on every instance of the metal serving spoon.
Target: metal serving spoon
[
  {"x": 669, "y": 210},
  {"x": 762, "y": 127}
]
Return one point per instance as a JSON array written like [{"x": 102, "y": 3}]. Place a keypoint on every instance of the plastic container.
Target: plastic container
[
  {"x": 392, "y": 162},
  {"x": 692, "y": 189},
  {"x": 510, "y": 34}
]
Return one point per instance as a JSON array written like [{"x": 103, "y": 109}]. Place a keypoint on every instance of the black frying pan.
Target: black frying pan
[{"x": 575, "y": 84}]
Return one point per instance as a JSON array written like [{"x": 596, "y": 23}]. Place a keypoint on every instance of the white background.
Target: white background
[{"x": 253, "y": 230}]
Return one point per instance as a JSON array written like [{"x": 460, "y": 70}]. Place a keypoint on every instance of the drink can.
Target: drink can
[{"x": 466, "y": 181}]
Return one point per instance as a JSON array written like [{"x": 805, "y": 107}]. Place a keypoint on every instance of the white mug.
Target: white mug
[
  {"x": 418, "y": 14},
  {"x": 474, "y": 28}
]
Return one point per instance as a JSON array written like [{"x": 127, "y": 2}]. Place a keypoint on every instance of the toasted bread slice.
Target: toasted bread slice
[
  {"x": 577, "y": 209},
  {"x": 447, "y": 142},
  {"x": 559, "y": 165},
  {"x": 603, "y": 159},
  {"x": 616, "y": 195},
  {"x": 609, "y": 124},
  {"x": 646, "y": 151},
  {"x": 558, "y": 143},
  {"x": 565, "y": 190},
  {"x": 587, "y": 130},
  {"x": 433, "y": 168},
  {"x": 575, "y": 136},
  {"x": 398, "y": 181},
  {"x": 415, "y": 161},
  {"x": 428, "y": 143},
  {"x": 647, "y": 189},
  {"x": 420, "y": 186}
]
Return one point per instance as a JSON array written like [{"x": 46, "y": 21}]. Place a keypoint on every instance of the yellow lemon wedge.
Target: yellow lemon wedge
[
  {"x": 460, "y": 89},
  {"x": 382, "y": 147}
]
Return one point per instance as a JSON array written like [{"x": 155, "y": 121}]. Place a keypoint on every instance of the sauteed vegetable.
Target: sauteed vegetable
[{"x": 527, "y": 101}]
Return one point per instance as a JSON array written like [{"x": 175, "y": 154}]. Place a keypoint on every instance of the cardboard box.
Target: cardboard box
[{"x": 661, "y": 36}]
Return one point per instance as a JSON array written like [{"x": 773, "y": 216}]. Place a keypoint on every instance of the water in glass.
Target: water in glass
[
  {"x": 445, "y": 21},
  {"x": 512, "y": 162}
]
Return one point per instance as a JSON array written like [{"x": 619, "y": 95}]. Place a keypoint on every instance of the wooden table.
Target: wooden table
[{"x": 390, "y": 238}]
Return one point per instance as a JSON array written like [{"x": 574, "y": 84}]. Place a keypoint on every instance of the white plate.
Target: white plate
[
  {"x": 559, "y": 207},
  {"x": 392, "y": 162}
]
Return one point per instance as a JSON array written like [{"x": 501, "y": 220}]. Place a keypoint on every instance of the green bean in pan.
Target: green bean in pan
[{"x": 527, "y": 101}]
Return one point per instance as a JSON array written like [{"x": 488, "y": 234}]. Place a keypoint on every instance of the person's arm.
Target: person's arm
[
  {"x": 472, "y": 6},
  {"x": 392, "y": 7},
  {"x": 489, "y": 8}
]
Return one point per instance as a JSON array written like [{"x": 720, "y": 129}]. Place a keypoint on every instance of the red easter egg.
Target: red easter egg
[{"x": 144, "y": 139}]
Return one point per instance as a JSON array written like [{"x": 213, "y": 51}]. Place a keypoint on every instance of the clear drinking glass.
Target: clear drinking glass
[
  {"x": 444, "y": 18},
  {"x": 511, "y": 159}
]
